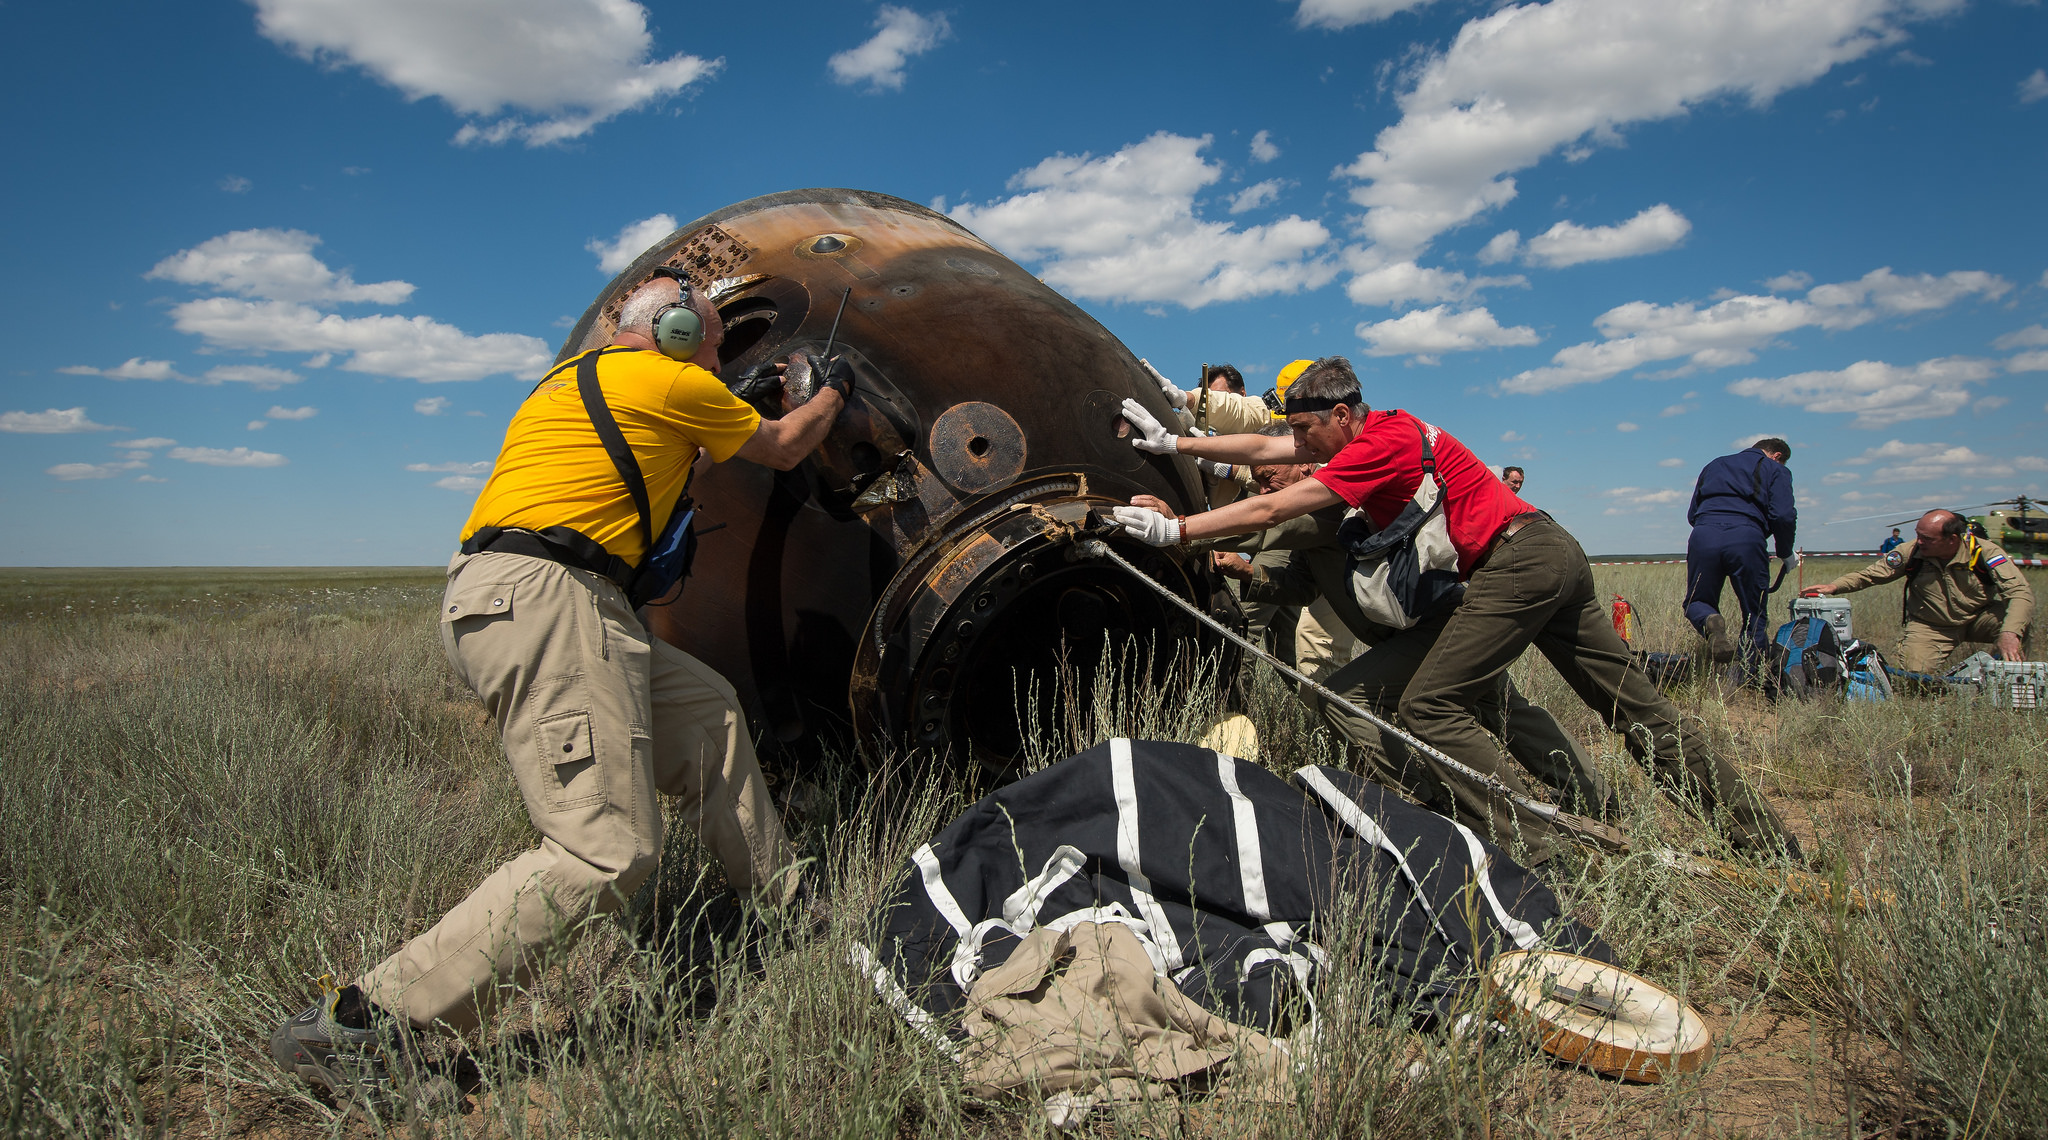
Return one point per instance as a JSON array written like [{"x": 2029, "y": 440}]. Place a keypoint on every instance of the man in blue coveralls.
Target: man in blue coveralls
[{"x": 1739, "y": 500}]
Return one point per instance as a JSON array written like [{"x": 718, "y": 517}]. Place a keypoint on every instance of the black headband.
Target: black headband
[{"x": 1318, "y": 403}]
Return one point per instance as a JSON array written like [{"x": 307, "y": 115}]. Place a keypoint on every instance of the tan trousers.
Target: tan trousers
[
  {"x": 597, "y": 715},
  {"x": 1322, "y": 645},
  {"x": 1926, "y": 648}
]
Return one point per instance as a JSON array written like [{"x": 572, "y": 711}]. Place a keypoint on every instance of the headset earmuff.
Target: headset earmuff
[{"x": 678, "y": 330}]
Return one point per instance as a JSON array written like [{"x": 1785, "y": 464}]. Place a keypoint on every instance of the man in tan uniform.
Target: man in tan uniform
[
  {"x": 596, "y": 714},
  {"x": 1958, "y": 588}
]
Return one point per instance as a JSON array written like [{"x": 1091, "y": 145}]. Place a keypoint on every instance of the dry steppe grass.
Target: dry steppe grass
[{"x": 220, "y": 784}]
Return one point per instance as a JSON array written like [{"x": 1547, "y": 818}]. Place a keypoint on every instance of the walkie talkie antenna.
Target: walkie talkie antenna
[{"x": 834, "y": 335}]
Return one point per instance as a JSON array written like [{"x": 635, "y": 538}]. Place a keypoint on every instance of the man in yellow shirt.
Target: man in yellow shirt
[{"x": 596, "y": 714}]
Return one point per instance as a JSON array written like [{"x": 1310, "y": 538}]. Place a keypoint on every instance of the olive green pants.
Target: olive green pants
[
  {"x": 1377, "y": 678},
  {"x": 1535, "y": 588},
  {"x": 597, "y": 715}
]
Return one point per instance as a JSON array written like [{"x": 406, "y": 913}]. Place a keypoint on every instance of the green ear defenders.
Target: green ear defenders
[{"x": 678, "y": 330}]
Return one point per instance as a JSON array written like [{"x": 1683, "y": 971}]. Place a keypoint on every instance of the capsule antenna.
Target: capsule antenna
[{"x": 834, "y": 335}]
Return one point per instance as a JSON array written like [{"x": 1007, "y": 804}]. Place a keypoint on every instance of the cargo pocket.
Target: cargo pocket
[
  {"x": 481, "y": 599},
  {"x": 566, "y": 750}
]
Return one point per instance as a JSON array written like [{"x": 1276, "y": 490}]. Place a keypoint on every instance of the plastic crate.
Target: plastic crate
[
  {"x": 2008, "y": 684},
  {"x": 1834, "y": 611}
]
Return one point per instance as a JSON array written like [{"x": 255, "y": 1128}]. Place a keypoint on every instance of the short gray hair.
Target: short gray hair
[
  {"x": 1329, "y": 378},
  {"x": 637, "y": 314}
]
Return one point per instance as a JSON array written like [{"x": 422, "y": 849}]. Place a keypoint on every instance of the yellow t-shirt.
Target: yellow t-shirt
[{"x": 553, "y": 470}]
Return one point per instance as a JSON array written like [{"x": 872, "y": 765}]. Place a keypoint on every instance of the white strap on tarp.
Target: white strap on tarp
[
  {"x": 1482, "y": 871},
  {"x": 1251, "y": 863},
  {"x": 1357, "y": 820},
  {"x": 1127, "y": 855},
  {"x": 924, "y": 1023}
]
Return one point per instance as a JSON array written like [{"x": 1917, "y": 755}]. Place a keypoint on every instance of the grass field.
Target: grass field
[{"x": 219, "y": 784}]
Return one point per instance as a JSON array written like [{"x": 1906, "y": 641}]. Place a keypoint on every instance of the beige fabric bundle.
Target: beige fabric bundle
[{"x": 1082, "y": 1010}]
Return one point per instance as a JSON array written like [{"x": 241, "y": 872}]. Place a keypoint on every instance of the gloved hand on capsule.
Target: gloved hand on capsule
[
  {"x": 1175, "y": 398},
  {"x": 1151, "y": 435},
  {"x": 1147, "y": 525}
]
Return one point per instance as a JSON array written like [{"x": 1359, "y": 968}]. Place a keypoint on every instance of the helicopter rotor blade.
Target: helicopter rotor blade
[{"x": 1915, "y": 518}]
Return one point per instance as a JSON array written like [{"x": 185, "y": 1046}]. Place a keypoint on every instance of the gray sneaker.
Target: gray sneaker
[{"x": 364, "y": 1057}]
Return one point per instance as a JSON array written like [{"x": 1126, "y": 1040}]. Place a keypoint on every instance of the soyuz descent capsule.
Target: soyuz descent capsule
[{"x": 908, "y": 582}]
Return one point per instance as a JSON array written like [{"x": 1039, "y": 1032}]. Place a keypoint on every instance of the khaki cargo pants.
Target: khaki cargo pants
[
  {"x": 1925, "y": 648},
  {"x": 597, "y": 715}
]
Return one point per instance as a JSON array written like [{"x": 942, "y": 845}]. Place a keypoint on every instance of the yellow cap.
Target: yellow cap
[{"x": 1290, "y": 374}]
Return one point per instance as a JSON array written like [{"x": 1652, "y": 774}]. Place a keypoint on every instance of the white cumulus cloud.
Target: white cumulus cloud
[
  {"x": 1429, "y": 332},
  {"x": 1377, "y": 281},
  {"x": 1503, "y": 246},
  {"x": 280, "y": 412},
  {"x": 1123, "y": 227},
  {"x": 418, "y": 348},
  {"x": 228, "y": 457},
  {"x": 1256, "y": 195},
  {"x": 635, "y": 239},
  {"x": 2033, "y": 336},
  {"x": 276, "y": 265},
  {"x": 261, "y": 377},
  {"x": 460, "y": 483},
  {"x": 55, "y": 421},
  {"x": 1879, "y": 394},
  {"x": 1658, "y": 228},
  {"x": 1263, "y": 149},
  {"x": 431, "y": 406},
  {"x": 900, "y": 33},
  {"x": 1674, "y": 461},
  {"x": 1345, "y": 13},
  {"x": 476, "y": 468},
  {"x": 1530, "y": 80},
  {"x": 1731, "y": 331},
  {"x": 1625, "y": 426},
  {"x": 1637, "y": 500},
  {"x": 151, "y": 443},
  {"x": 571, "y": 64},
  {"x": 2034, "y": 88},
  {"x": 1896, "y": 461},
  {"x": 134, "y": 368},
  {"x": 73, "y": 471}
]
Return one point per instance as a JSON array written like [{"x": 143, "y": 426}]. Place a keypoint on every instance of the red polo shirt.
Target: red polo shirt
[{"x": 1380, "y": 469}]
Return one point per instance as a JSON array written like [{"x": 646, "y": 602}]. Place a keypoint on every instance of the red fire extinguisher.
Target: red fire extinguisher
[{"x": 1624, "y": 618}]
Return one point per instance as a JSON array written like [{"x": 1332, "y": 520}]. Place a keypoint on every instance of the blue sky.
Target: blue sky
[{"x": 281, "y": 271}]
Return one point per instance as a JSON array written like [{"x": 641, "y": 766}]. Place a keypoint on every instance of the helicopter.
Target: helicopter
[
  {"x": 2018, "y": 531},
  {"x": 2018, "y": 524}
]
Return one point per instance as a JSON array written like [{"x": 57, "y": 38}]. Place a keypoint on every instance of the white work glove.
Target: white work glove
[
  {"x": 1215, "y": 467},
  {"x": 1174, "y": 396},
  {"x": 1148, "y": 525},
  {"x": 1152, "y": 435},
  {"x": 1791, "y": 560}
]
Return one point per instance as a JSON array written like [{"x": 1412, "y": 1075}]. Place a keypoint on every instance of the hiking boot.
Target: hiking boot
[
  {"x": 364, "y": 1057},
  {"x": 1720, "y": 647}
]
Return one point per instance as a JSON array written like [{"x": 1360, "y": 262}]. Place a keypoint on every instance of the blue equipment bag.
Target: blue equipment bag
[
  {"x": 1806, "y": 660},
  {"x": 1863, "y": 673}
]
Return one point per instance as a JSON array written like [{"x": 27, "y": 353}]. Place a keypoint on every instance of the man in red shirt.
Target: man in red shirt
[{"x": 1527, "y": 582}]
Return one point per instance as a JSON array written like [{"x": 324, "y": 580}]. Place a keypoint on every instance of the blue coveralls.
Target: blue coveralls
[{"x": 1739, "y": 500}]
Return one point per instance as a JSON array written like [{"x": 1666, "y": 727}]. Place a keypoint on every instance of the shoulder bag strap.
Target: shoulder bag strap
[{"x": 614, "y": 443}]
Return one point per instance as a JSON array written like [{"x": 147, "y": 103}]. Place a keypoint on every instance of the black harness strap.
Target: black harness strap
[{"x": 615, "y": 443}]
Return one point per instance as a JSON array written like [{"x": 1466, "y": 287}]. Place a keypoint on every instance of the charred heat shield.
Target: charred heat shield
[{"x": 910, "y": 583}]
